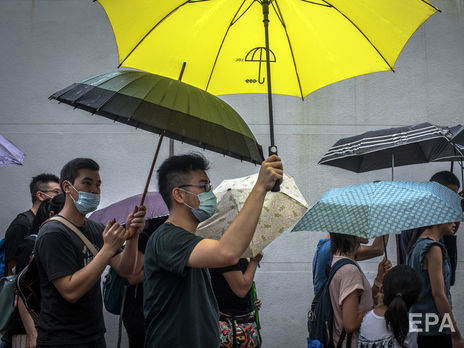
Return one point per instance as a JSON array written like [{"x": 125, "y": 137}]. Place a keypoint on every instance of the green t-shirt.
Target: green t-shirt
[{"x": 179, "y": 305}]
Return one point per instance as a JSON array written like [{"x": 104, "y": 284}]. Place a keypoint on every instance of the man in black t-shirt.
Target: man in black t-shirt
[
  {"x": 179, "y": 304},
  {"x": 71, "y": 311},
  {"x": 42, "y": 186}
]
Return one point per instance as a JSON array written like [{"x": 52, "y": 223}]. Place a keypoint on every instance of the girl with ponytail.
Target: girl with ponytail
[{"x": 387, "y": 325}]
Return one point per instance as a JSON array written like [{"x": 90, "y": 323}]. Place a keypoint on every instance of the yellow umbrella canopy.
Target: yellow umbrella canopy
[{"x": 312, "y": 43}]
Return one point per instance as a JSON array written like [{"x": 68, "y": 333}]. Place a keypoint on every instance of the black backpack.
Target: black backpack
[{"x": 320, "y": 316}]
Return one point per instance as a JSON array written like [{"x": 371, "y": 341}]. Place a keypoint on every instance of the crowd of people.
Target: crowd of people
[{"x": 189, "y": 291}]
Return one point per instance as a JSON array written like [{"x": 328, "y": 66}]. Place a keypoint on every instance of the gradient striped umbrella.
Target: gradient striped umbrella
[{"x": 162, "y": 105}]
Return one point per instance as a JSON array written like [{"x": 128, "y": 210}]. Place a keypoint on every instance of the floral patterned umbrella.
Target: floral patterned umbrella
[{"x": 280, "y": 211}]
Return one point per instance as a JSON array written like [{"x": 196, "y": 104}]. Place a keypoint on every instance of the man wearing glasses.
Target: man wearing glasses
[
  {"x": 179, "y": 304},
  {"x": 42, "y": 187}
]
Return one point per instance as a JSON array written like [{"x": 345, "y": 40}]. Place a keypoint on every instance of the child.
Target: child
[{"x": 387, "y": 325}]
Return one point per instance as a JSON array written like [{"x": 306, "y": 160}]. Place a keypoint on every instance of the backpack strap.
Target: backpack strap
[
  {"x": 73, "y": 228},
  {"x": 339, "y": 264}
]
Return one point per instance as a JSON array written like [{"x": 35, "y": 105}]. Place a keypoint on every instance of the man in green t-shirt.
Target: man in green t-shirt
[{"x": 180, "y": 308}]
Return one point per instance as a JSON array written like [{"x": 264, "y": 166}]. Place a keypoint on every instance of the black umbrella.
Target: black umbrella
[{"x": 387, "y": 148}]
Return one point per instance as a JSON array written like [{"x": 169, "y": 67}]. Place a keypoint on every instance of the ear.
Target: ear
[
  {"x": 66, "y": 187},
  {"x": 177, "y": 195},
  {"x": 39, "y": 196}
]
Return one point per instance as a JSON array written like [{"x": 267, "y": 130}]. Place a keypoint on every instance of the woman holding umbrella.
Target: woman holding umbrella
[{"x": 429, "y": 258}]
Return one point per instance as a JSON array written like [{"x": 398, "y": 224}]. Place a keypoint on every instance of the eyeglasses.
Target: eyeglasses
[
  {"x": 56, "y": 191},
  {"x": 208, "y": 187}
]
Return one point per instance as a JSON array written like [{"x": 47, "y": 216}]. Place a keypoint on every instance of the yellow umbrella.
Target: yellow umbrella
[
  {"x": 224, "y": 45},
  {"x": 313, "y": 43}
]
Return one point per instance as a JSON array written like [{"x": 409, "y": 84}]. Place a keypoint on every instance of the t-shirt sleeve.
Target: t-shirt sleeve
[
  {"x": 14, "y": 235},
  {"x": 239, "y": 266},
  {"x": 54, "y": 250},
  {"x": 173, "y": 247},
  {"x": 347, "y": 279}
]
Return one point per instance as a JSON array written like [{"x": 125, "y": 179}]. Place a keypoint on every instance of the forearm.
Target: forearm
[
  {"x": 26, "y": 318},
  {"x": 135, "y": 278},
  {"x": 73, "y": 287},
  {"x": 249, "y": 274},
  {"x": 128, "y": 261},
  {"x": 443, "y": 307},
  {"x": 366, "y": 252},
  {"x": 238, "y": 236}
]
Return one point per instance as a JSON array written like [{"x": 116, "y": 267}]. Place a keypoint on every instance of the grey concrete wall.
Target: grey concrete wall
[{"x": 46, "y": 45}]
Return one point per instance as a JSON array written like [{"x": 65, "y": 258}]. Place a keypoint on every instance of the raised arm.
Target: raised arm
[
  {"x": 125, "y": 263},
  {"x": 228, "y": 250},
  {"x": 73, "y": 287},
  {"x": 366, "y": 252}
]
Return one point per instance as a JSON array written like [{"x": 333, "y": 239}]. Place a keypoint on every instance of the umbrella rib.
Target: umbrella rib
[
  {"x": 428, "y": 3},
  {"x": 141, "y": 99},
  {"x": 236, "y": 20},
  {"x": 281, "y": 18},
  {"x": 154, "y": 27},
  {"x": 315, "y": 3},
  {"x": 362, "y": 33},
  {"x": 94, "y": 86},
  {"x": 114, "y": 94},
  {"x": 232, "y": 22}
]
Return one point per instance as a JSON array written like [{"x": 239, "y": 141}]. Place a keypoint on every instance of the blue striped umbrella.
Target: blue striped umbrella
[{"x": 375, "y": 209}]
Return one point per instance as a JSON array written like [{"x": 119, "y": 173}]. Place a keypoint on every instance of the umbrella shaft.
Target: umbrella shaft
[{"x": 265, "y": 4}]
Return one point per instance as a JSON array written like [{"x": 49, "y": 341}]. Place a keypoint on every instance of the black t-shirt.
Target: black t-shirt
[
  {"x": 16, "y": 232},
  {"x": 60, "y": 252},
  {"x": 179, "y": 304},
  {"x": 228, "y": 302}
]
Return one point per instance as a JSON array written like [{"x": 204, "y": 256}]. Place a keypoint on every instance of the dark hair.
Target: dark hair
[
  {"x": 175, "y": 171},
  {"x": 70, "y": 170},
  {"x": 36, "y": 181},
  {"x": 401, "y": 289},
  {"x": 57, "y": 203},
  {"x": 54, "y": 204},
  {"x": 342, "y": 243},
  {"x": 415, "y": 236},
  {"x": 445, "y": 178}
]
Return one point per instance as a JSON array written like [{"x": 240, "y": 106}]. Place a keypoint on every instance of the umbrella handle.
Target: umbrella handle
[
  {"x": 385, "y": 247},
  {"x": 131, "y": 230},
  {"x": 273, "y": 151}
]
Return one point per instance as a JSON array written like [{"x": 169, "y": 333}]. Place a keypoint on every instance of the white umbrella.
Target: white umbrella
[{"x": 280, "y": 211}]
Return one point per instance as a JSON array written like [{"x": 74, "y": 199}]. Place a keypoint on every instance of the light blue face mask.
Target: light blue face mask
[
  {"x": 87, "y": 202},
  {"x": 207, "y": 207}
]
